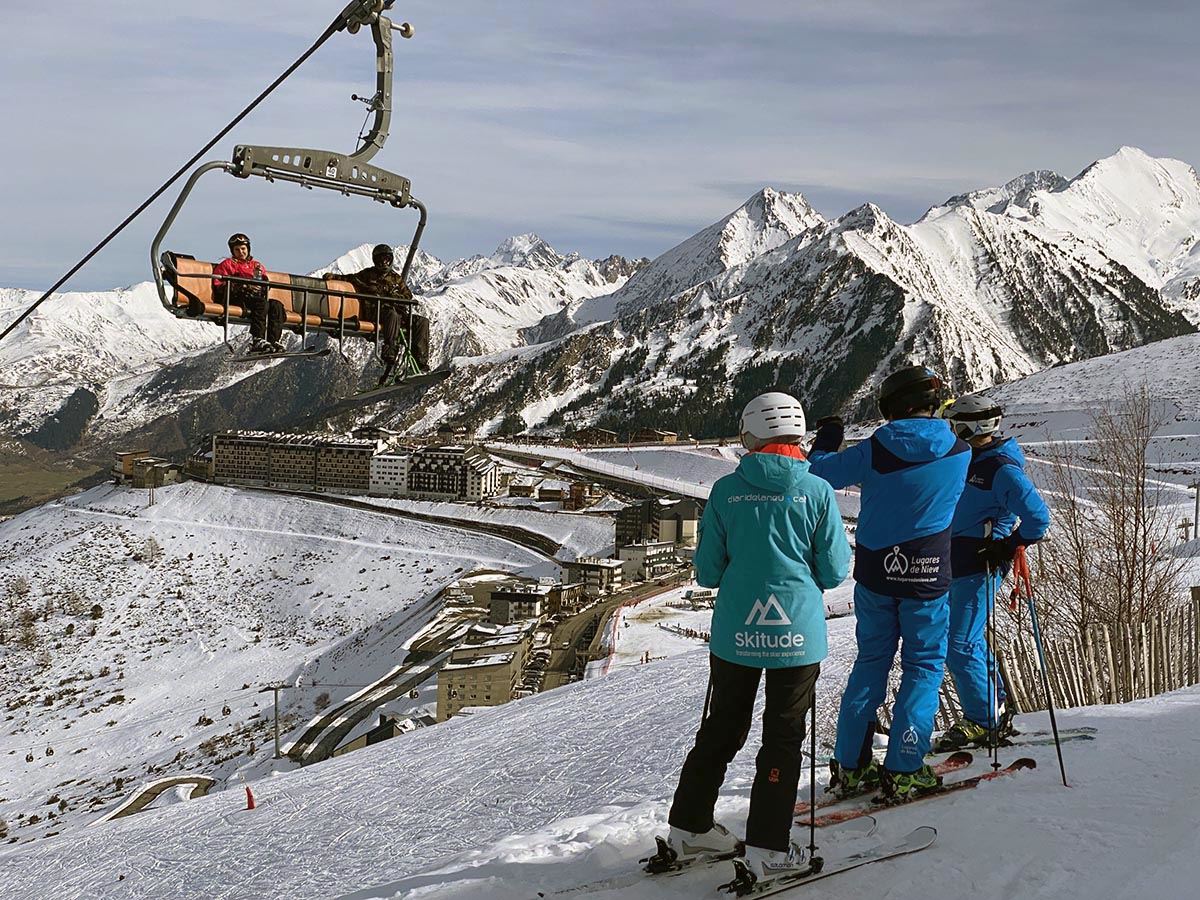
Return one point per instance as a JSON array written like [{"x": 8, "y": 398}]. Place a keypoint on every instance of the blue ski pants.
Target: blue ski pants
[
  {"x": 968, "y": 656},
  {"x": 918, "y": 627}
]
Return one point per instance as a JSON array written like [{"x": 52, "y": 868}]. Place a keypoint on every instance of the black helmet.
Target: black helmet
[
  {"x": 973, "y": 416},
  {"x": 239, "y": 238},
  {"x": 381, "y": 251},
  {"x": 909, "y": 389}
]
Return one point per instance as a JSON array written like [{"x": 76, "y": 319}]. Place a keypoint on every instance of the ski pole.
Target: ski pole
[
  {"x": 990, "y": 640},
  {"x": 812, "y": 783},
  {"x": 1022, "y": 577}
]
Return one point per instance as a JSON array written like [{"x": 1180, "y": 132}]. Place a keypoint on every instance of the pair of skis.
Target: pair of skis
[{"x": 743, "y": 883}]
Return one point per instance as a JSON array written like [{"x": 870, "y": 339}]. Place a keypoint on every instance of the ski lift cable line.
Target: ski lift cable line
[{"x": 350, "y": 15}]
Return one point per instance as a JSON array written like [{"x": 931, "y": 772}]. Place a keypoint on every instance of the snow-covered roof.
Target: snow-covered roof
[{"x": 496, "y": 659}]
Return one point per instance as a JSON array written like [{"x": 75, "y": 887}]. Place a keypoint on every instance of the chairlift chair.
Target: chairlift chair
[{"x": 310, "y": 304}]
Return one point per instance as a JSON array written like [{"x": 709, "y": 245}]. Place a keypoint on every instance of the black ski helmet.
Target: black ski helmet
[
  {"x": 379, "y": 251},
  {"x": 239, "y": 238},
  {"x": 973, "y": 416},
  {"x": 908, "y": 389}
]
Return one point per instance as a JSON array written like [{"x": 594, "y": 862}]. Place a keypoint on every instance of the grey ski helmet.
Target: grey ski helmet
[
  {"x": 973, "y": 416},
  {"x": 774, "y": 415},
  {"x": 908, "y": 390}
]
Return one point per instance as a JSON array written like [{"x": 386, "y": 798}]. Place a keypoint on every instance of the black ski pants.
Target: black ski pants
[
  {"x": 266, "y": 316},
  {"x": 393, "y": 322},
  {"x": 726, "y": 725}
]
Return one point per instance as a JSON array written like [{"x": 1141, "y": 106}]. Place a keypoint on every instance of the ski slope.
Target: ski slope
[
  {"x": 248, "y": 589},
  {"x": 570, "y": 786}
]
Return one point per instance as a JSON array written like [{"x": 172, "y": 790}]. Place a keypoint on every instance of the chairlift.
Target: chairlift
[{"x": 330, "y": 306}]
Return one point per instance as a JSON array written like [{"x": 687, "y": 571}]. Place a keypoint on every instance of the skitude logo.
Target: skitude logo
[{"x": 769, "y": 613}]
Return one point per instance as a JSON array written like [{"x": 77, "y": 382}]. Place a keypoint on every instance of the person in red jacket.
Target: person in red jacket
[{"x": 266, "y": 316}]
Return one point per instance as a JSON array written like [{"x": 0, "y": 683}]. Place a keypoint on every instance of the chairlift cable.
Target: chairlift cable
[{"x": 337, "y": 25}]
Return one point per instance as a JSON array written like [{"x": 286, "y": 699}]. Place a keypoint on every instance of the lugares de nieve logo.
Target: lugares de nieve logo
[
  {"x": 895, "y": 563},
  {"x": 768, "y": 614}
]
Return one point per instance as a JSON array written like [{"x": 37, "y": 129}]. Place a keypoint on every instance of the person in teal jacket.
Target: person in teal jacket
[{"x": 772, "y": 540}]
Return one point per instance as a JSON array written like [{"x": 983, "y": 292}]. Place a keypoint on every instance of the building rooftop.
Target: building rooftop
[
  {"x": 297, "y": 440},
  {"x": 518, "y": 587},
  {"x": 496, "y": 659},
  {"x": 596, "y": 563}
]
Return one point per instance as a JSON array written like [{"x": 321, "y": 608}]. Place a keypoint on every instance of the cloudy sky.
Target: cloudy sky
[{"x": 605, "y": 127}]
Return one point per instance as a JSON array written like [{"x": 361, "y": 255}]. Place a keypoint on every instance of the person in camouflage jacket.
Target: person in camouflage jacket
[{"x": 382, "y": 280}]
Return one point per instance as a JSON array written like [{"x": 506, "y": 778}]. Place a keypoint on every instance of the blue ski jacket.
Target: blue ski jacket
[
  {"x": 912, "y": 473},
  {"x": 998, "y": 493},
  {"x": 772, "y": 540}
]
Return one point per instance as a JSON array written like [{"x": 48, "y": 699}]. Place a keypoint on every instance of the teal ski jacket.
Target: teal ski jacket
[{"x": 771, "y": 539}]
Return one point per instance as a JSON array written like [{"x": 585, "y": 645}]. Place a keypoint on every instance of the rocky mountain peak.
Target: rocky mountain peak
[{"x": 526, "y": 250}]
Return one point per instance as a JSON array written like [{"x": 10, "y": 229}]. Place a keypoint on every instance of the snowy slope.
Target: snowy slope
[
  {"x": 81, "y": 341},
  {"x": 1139, "y": 211},
  {"x": 250, "y": 589},
  {"x": 1057, "y": 404},
  {"x": 582, "y": 784}
]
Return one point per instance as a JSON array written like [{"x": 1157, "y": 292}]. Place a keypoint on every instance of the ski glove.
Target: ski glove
[
  {"x": 830, "y": 434},
  {"x": 999, "y": 554}
]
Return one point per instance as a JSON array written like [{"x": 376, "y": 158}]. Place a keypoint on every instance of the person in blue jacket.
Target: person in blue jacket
[
  {"x": 771, "y": 539},
  {"x": 1000, "y": 510},
  {"x": 912, "y": 471}
]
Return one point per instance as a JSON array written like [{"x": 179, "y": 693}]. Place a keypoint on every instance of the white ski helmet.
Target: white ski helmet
[
  {"x": 773, "y": 415},
  {"x": 973, "y": 416}
]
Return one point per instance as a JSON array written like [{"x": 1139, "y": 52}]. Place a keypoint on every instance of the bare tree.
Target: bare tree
[{"x": 1109, "y": 559}]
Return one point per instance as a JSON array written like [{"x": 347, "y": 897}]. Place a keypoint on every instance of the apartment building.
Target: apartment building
[
  {"x": 598, "y": 576},
  {"x": 389, "y": 474},
  {"x": 514, "y": 601},
  {"x": 296, "y": 461},
  {"x": 486, "y": 669},
  {"x": 452, "y": 473},
  {"x": 647, "y": 559}
]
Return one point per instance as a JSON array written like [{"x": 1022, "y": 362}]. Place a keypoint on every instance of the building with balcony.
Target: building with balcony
[
  {"x": 452, "y": 473},
  {"x": 647, "y": 559},
  {"x": 598, "y": 576},
  {"x": 389, "y": 474},
  {"x": 514, "y": 601}
]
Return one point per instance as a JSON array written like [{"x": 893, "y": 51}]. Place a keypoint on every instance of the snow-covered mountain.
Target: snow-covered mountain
[
  {"x": 976, "y": 288},
  {"x": 1139, "y": 211},
  {"x": 765, "y": 221},
  {"x": 88, "y": 369},
  {"x": 988, "y": 286}
]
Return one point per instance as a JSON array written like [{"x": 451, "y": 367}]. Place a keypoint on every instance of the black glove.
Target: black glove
[
  {"x": 830, "y": 433},
  {"x": 999, "y": 554}
]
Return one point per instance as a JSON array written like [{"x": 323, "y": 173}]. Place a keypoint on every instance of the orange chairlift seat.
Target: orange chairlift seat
[{"x": 331, "y": 306}]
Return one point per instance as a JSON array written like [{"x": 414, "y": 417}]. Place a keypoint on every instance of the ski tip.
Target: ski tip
[
  {"x": 920, "y": 838},
  {"x": 1025, "y": 762},
  {"x": 961, "y": 757}
]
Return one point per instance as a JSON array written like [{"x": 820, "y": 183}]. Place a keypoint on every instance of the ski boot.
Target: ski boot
[
  {"x": 844, "y": 783},
  {"x": 388, "y": 377},
  {"x": 896, "y": 787},
  {"x": 759, "y": 869},
  {"x": 965, "y": 733},
  {"x": 681, "y": 848},
  {"x": 259, "y": 346}
]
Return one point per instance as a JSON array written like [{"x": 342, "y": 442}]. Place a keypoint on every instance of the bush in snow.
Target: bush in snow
[{"x": 1109, "y": 559}]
